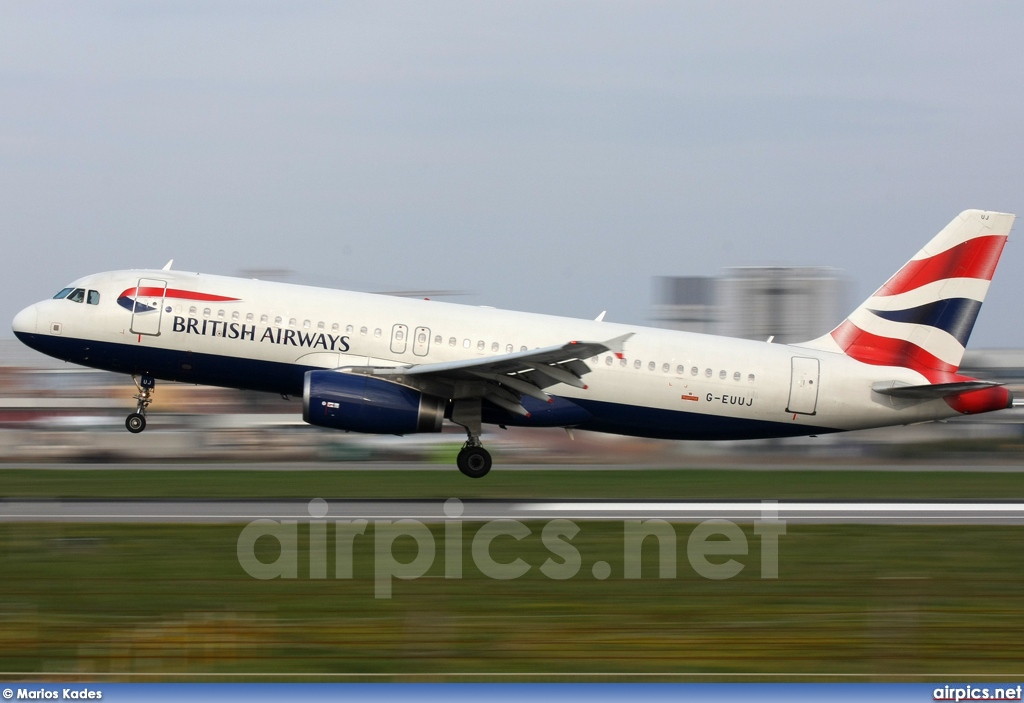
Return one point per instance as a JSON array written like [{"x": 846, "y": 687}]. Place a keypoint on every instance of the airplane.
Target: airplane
[{"x": 387, "y": 365}]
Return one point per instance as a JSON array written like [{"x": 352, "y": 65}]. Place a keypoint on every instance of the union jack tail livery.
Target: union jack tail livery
[{"x": 923, "y": 316}]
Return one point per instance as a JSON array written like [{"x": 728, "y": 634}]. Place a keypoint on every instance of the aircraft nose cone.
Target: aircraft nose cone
[{"x": 25, "y": 321}]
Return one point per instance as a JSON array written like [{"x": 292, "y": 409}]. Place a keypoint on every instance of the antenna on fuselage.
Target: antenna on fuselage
[{"x": 167, "y": 266}]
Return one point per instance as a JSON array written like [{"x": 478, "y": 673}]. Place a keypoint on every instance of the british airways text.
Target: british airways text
[{"x": 273, "y": 335}]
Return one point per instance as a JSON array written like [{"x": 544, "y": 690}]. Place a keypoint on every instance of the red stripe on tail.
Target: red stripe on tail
[
  {"x": 886, "y": 351},
  {"x": 975, "y": 258}
]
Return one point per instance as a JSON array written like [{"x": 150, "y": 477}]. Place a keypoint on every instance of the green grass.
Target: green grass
[
  {"x": 868, "y": 600},
  {"x": 554, "y": 483}
]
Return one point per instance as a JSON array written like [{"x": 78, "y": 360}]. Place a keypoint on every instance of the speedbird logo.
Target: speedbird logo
[{"x": 131, "y": 299}]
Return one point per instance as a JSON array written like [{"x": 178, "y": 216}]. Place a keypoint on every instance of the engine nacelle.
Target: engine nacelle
[{"x": 359, "y": 403}]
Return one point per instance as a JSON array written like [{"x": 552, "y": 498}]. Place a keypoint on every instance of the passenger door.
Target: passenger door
[{"x": 149, "y": 306}]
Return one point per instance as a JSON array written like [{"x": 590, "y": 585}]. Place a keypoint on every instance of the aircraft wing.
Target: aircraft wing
[{"x": 504, "y": 378}]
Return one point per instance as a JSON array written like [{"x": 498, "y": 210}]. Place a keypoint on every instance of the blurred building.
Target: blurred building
[
  {"x": 686, "y": 303},
  {"x": 791, "y": 304}
]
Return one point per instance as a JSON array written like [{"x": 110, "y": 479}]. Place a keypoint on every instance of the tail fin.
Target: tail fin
[{"x": 923, "y": 316}]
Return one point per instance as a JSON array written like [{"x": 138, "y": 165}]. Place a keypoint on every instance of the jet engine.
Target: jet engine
[{"x": 359, "y": 403}]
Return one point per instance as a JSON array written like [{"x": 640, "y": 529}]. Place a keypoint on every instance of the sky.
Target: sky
[{"x": 541, "y": 156}]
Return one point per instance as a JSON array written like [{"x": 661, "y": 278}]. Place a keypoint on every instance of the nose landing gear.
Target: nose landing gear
[{"x": 136, "y": 422}]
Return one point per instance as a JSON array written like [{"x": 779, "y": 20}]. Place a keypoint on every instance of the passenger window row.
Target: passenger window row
[{"x": 680, "y": 369}]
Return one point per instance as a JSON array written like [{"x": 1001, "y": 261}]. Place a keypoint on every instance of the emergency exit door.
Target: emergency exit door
[{"x": 399, "y": 338}]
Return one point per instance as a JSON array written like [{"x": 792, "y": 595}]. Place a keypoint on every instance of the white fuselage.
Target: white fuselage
[{"x": 666, "y": 383}]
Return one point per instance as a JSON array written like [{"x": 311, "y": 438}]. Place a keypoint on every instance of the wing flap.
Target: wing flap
[
  {"x": 505, "y": 378},
  {"x": 558, "y": 362}
]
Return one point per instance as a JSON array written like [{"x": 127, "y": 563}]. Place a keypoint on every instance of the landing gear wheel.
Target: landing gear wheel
[
  {"x": 136, "y": 422},
  {"x": 474, "y": 462}
]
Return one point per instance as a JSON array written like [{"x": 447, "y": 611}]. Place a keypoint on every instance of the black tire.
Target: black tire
[
  {"x": 474, "y": 462},
  {"x": 136, "y": 422}
]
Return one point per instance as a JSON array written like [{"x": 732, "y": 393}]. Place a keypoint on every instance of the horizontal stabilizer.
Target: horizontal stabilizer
[{"x": 929, "y": 391}]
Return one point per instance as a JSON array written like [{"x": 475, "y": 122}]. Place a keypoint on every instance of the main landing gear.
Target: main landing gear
[
  {"x": 136, "y": 422},
  {"x": 473, "y": 460}
]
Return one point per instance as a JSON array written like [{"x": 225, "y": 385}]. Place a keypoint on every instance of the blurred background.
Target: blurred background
[{"x": 552, "y": 157}]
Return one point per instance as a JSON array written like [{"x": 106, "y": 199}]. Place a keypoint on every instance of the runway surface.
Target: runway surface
[{"x": 243, "y": 511}]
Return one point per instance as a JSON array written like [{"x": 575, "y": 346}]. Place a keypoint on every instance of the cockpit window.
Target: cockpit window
[
  {"x": 77, "y": 295},
  {"x": 63, "y": 294},
  {"x": 93, "y": 298}
]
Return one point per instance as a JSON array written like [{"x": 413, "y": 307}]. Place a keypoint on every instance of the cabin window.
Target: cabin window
[
  {"x": 508, "y": 348},
  {"x": 192, "y": 310},
  {"x": 206, "y": 312},
  {"x": 363, "y": 331},
  {"x": 263, "y": 319},
  {"x": 278, "y": 320},
  {"x": 349, "y": 329},
  {"x": 637, "y": 363},
  {"x": 452, "y": 341},
  {"x": 480, "y": 345},
  {"x": 693, "y": 371},
  {"x": 708, "y": 372},
  {"x": 607, "y": 361},
  {"x": 63, "y": 293},
  {"x": 292, "y": 322},
  {"x": 77, "y": 295},
  {"x": 93, "y": 297},
  {"x": 377, "y": 332},
  {"x": 679, "y": 370},
  {"x": 306, "y": 324},
  {"x": 522, "y": 348},
  {"x": 722, "y": 374},
  {"x": 750, "y": 378},
  {"x": 495, "y": 346},
  {"x": 650, "y": 365},
  {"x": 235, "y": 315},
  {"x": 220, "y": 313},
  {"x": 438, "y": 339},
  {"x": 736, "y": 376},
  {"x": 320, "y": 326},
  {"x": 249, "y": 317},
  {"x": 622, "y": 363}
]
